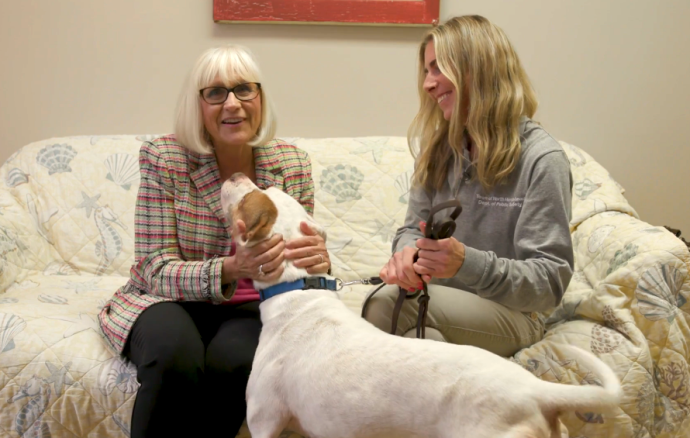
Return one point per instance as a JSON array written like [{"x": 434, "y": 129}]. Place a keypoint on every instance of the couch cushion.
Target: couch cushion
[
  {"x": 55, "y": 367},
  {"x": 362, "y": 187},
  {"x": 79, "y": 193},
  {"x": 594, "y": 189}
]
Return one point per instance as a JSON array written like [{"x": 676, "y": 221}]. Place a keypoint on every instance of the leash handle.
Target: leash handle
[
  {"x": 435, "y": 231},
  {"x": 442, "y": 230},
  {"x": 446, "y": 227}
]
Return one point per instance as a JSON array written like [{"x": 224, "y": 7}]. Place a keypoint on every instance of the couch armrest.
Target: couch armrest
[
  {"x": 594, "y": 189},
  {"x": 12, "y": 247},
  {"x": 639, "y": 269},
  {"x": 611, "y": 244},
  {"x": 22, "y": 247}
]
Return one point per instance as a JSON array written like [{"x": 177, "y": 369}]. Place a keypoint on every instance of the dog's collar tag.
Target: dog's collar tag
[{"x": 302, "y": 283}]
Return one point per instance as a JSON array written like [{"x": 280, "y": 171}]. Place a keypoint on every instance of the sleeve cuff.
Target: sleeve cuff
[
  {"x": 212, "y": 289},
  {"x": 229, "y": 290},
  {"x": 473, "y": 268},
  {"x": 406, "y": 240}
]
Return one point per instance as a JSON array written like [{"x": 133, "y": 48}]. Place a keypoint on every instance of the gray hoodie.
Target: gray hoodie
[{"x": 518, "y": 250}]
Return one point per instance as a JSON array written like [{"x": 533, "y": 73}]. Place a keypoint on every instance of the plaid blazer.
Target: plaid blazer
[{"x": 181, "y": 234}]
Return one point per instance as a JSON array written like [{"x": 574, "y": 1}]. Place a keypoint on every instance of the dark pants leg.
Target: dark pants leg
[
  {"x": 193, "y": 362},
  {"x": 229, "y": 357},
  {"x": 168, "y": 351}
]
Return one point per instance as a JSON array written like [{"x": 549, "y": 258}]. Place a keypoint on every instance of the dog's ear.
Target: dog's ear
[{"x": 259, "y": 214}]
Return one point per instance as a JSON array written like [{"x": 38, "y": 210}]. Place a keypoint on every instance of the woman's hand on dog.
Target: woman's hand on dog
[
  {"x": 246, "y": 261},
  {"x": 308, "y": 252}
]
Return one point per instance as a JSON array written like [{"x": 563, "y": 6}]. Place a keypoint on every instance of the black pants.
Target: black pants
[{"x": 193, "y": 361}]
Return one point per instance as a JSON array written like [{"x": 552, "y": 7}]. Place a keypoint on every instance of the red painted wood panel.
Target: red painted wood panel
[{"x": 402, "y": 12}]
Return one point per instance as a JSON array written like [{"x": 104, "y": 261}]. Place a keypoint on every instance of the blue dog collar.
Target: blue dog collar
[{"x": 302, "y": 283}]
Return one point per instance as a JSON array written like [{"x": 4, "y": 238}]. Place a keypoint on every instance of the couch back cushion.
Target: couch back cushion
[
  {"x": 69, "y": 202},
  {"x": 77, "y": 197},
  {"x": 362, "y": 186}
]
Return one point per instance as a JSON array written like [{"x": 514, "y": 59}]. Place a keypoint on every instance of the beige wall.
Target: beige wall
[{"x": 613, "y": 76}]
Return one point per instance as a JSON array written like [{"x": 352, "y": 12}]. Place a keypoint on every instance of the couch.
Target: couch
[{"x": 66, "y": 244}]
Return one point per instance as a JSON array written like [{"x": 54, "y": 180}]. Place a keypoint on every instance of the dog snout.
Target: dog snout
[{"x": 237, "y": 178}]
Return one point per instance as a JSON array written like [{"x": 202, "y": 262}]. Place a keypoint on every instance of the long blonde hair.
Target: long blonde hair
[
  {"x": 499, "y": 93},
  {"x": 231, "y": 64}
]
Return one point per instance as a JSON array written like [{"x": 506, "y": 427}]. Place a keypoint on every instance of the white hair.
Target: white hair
[{"x": 232, "y": 65}]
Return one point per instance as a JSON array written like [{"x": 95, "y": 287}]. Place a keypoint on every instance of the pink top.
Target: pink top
[{"x": 245, "y": 291}]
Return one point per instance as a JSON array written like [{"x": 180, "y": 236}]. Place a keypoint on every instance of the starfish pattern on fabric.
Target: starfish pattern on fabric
[
  {"x": 335, "y": 246},
  {"x": 40, "y": 217},
  {"x": 384, "y": 230},
  {"x": 89, "y": 203},
  {"x": 79, "y": 287},
  {"x": 591, "y": 379},
  {"x": 81, "y": 323},
  {"x": 59, "y": 377},
  {"x": 552, "y": 364},
  {"x": 376, "y": 146}
]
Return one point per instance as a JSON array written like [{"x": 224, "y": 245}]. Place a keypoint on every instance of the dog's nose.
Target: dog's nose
[{"x": 237, "y": 177}]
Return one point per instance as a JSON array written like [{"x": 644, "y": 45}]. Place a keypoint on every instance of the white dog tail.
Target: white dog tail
[{"x": 590, "y": 398}]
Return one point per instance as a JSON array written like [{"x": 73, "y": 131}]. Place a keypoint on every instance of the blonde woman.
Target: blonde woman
[
  {"x": 474, "y": 140},
  {"x": 189, "y": 318}
]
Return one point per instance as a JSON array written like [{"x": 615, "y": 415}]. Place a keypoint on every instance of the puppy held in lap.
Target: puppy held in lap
[{"x": 322, "y": 371}]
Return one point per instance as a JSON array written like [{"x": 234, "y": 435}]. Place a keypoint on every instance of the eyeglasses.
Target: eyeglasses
[{"x": 218, "y": 95}]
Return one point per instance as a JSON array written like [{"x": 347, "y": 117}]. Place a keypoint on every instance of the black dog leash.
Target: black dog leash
[{"x": 443, "y": 230}]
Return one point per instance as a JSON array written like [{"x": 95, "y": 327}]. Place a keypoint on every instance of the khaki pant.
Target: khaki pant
[{"x": 459, "y": 317}]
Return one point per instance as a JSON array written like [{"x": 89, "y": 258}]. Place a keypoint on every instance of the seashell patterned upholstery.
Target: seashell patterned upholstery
[{"x": 66, "y": 244}]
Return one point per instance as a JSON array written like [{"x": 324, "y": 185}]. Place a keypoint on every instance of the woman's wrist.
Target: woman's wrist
[{"x": 228, "y": 270}]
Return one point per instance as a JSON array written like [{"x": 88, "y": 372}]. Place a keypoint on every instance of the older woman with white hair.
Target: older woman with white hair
[{"x": 189, "y": 318}]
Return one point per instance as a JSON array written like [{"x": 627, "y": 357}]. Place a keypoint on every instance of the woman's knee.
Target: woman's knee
[
  {"x": 232, "y": 350},
  {"x": 238, "y": 361},
  {"x": 165, "y": 344},
  {"x": 467, "y": 319},
  {"x": 183, "y": 358}
]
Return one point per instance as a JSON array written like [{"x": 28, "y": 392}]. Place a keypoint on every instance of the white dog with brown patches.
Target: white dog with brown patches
[{"x": 324, "y": 372}]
